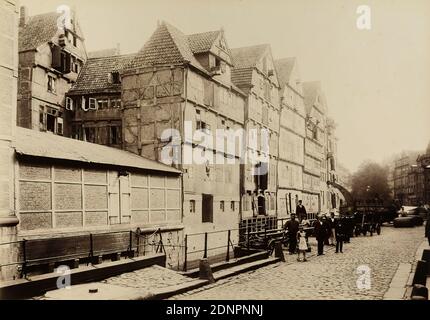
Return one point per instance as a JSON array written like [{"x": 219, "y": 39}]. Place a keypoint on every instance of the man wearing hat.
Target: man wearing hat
[
  {"x": 301, "y": 211},
  {"x": 320, "y": 232},
  {"x": 292, "y": 227}
]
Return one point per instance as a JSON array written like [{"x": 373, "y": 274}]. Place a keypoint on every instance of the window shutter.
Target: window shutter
[
  {"x": 56, "y": 57},
  {"x": 84, "y": 104},
  {"x": 68, "y": 67},
  {"x": 92, "y": 104},
  {"x": 69, "y": 103}
]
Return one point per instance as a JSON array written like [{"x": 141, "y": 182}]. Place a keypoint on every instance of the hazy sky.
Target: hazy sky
[{"x": 377, "y": 81}]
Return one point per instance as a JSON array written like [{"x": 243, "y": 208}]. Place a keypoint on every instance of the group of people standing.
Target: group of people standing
[{"x": 327, "y": 231}]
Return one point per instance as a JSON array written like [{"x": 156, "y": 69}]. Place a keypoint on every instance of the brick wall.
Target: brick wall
[{"x": 69, "y": 199}]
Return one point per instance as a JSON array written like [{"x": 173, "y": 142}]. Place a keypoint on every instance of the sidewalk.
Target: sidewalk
[{"x": 401, "y": 284}]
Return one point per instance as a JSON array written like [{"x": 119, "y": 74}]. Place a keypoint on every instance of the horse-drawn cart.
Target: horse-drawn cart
[{"x": 368, "y": 217}]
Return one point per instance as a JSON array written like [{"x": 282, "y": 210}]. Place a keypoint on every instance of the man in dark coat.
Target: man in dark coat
[
  {"x": 292, "y": 227},
  {"x": 327, "y": 227},
  {"x": 301, "y": 211},
  {"x": 320, "y": 233},
  {"x": 340, "y": 231}
]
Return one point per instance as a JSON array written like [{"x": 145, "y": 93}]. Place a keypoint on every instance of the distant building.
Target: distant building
[
  {"x": 50, "y": 59},
  {"x": 405, "y": 177},
  {"x": 423, "y": 180}
]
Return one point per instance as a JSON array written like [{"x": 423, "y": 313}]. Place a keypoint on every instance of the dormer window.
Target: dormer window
[
  {"x": 216, "y": 65},
  {"x": 114, "y": 77}
]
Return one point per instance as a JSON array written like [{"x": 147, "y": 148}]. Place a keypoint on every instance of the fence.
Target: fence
[
  {"x": 219, "y": 246},
  {"x": 216, "y": 246},
  {"x": 48, "y": 251}
]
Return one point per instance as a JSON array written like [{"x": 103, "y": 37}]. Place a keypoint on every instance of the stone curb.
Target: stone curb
[{"x": 401, "y": 284}]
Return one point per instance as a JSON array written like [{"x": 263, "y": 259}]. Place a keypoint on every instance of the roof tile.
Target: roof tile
[
  {"x": 95, "y": 74},
  {"x": 202, "y": 42},
  {"x": 38, "y": 30}
]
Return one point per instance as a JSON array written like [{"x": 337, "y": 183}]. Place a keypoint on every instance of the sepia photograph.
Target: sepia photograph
[{"x": 216, "y": 151}]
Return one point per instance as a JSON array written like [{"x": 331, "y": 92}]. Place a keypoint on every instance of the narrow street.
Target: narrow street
[{"x": 332, "y": 276}]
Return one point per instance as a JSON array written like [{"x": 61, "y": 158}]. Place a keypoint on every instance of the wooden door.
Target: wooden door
[{"x": 114, "y": 199}]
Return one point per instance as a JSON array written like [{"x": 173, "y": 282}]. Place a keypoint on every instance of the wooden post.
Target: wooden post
[
  {"x": 185, "y": 252},
  {"x": 161, "y": 242},
  {"x": 205, "y": 255},
  {"x": 137, "y": 243},
  {"x": 91, "y": 247},
  {"x": 130, "y": 244},
  {"x": 24, "y": 254},
  {"x": 227, "y": 258}
]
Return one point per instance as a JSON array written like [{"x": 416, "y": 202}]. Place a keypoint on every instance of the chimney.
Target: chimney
[
  {"x": 73, "y": 17},
  {"x": 23, "y": 16}
]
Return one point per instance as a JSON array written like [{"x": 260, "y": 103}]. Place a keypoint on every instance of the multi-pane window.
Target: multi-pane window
[
  {"x": 75, "y": 64},
  {"x": 115, "y": 103},
  {"x": 92, "y": 104},
  {"x": 102, "y": 103},
  {"x": 192, "y": 206},
  {"x": 51, "y": 83},
  {"x": 222, "y": 206},
  {"x": 90, "y": 134},
  {"x": 50, "y": 119},
  {"x": 115, "y": 135}
]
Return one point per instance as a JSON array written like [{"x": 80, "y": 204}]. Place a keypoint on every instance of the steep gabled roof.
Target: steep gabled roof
[
  {"x": 310, "y": 92},
  {"x": 166, "y": 46},
  {"x": 202, "y": 42},
  {"x": 284, "y": 68},
  {"x": 245, "y": 59},
  {"x": 94, "y": 76},
  {"x": 248, "y": 57},
  {"x": 38, "y": 30},
  {"x": 40, "y": 144}
]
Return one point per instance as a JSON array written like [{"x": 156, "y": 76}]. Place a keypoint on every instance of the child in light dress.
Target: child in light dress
[{"x": 303, "y": 246}]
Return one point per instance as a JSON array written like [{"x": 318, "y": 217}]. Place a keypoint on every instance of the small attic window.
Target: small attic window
[{"x": 114, "y": 77}]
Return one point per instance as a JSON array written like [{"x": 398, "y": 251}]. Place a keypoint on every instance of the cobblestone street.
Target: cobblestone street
[{"x": 332, "y": 276}]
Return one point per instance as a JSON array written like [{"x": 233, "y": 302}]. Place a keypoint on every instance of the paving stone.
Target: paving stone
[{"x": 328, "y": 277}]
